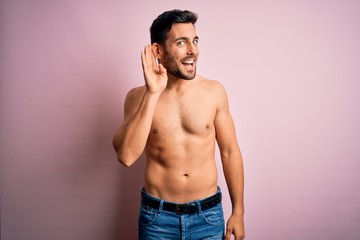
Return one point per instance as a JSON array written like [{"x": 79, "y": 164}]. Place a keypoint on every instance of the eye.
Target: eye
[
  {"x": 196, "y": 42},
  {"x": 181, "y": 43}
]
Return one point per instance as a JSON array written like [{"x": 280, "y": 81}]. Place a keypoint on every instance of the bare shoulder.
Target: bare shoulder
[
  {"x": 212, "y": 86},
  {"x": 133, "y": 98},
  {"x": 136, "y": 92},
  {"x": 215, "y": 91}
]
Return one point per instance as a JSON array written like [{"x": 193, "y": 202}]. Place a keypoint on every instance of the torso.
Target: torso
[{"x": 180, "y": 149}]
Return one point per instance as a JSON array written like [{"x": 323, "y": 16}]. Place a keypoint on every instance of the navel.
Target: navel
[{"x": 186, "y": 174}]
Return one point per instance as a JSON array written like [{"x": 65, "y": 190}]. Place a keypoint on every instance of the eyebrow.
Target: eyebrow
[{"x": 185, "y": 38}]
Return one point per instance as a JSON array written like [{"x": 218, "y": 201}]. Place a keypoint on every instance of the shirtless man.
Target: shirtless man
[{"x": 176, "y": 118}]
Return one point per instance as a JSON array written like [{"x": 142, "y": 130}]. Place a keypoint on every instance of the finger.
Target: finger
[
  {"x": 143, "y": 61},
  {"x": 162, "y": 70},
  {"x": 239, "y": 237},
  {"x": 154, "y": 60},
  {"x": 148, "y": 56},
  {"x": 147, "y": 59},
  {"x": 228, "y": 234}
]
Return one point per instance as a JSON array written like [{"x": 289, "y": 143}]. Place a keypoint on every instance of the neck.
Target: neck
[{"x": 175, "y": 83}]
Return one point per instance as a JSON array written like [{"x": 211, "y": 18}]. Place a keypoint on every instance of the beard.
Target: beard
[{"x": 174, "y": 69}]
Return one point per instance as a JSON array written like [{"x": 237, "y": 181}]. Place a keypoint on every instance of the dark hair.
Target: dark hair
[{"x": 163, "y": 23}]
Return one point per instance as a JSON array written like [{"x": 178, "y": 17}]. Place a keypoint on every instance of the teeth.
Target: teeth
[{"x": 189, "y": 61}]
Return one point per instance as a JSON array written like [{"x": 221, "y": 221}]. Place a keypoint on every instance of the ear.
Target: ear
[{"x": 157, "y": 50}]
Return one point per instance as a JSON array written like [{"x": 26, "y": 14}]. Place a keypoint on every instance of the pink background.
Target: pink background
[{"x": 292, "y": 72}]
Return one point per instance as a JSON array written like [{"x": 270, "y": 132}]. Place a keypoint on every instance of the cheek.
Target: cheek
[{"x": 170, "y": 58}]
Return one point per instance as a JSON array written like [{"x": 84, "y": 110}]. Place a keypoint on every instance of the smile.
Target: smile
[{"x": 189, "y": 62}]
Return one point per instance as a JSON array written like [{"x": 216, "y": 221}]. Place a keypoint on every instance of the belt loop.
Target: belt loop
[
  {"x": 161, "y": 206},
  {"x": 198, "y": 207}
]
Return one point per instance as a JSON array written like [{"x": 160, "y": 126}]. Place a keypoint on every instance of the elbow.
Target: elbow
[
  {"x": 124, "y": 154},
  {"x": 126, "y": 159}
]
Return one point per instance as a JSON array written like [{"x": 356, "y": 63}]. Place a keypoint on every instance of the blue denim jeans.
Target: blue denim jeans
[{"x": 158, "y": 224}]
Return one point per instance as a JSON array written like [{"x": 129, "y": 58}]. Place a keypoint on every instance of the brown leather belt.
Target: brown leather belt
[{"x": 186, "y": 208}]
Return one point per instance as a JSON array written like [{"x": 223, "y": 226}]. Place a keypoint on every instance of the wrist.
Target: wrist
[
  {"x": 238, "y": 212},
  {"x": 154, "y": 90},
  {"x": 153, "y": 94}
]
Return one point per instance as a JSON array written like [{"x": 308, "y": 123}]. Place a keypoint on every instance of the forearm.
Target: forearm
[
  {"x": 234, "y": 175},
  {"x": 130, "y": 139}
]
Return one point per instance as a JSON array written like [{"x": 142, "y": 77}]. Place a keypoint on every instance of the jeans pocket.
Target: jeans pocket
[
  {"x": 214, "y": 215},
  {"x": 147, "y": 215}
]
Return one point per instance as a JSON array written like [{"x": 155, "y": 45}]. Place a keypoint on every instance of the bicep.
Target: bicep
[
  {"x": 131, "y": 104},
  {"x": 224, "y": 125}
]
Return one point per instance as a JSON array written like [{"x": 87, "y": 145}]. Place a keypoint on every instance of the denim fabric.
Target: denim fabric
[{"x": 157, "y": 224}]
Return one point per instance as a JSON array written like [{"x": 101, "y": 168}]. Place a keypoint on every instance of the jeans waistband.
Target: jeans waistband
[{"x": 185, "y": 208}]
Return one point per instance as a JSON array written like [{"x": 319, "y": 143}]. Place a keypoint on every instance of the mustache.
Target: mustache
[{"x": 189, "y": 57}]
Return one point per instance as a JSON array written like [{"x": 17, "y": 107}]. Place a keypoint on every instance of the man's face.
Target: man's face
[{"x": 181, "y": 51}]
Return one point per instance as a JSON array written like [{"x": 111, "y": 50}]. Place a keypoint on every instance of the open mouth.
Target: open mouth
[{"x": 189, "y": 62}]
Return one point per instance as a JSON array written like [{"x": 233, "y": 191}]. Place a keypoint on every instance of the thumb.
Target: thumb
[
  {"x": 162, "y": 70},
  {"x": 228, "y": 234}
]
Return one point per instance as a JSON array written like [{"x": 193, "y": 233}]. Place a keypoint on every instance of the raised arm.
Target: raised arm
[
  {"x": 140, "y": 103},
  {"x": 232, "y": 165}
]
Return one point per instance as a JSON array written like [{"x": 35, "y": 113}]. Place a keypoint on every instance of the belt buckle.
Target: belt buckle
[
  {"x": 178, "y": 209},
  {"x": 184, "y": 208}
]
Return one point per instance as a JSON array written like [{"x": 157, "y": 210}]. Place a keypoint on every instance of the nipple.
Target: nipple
[
  {"x": 208, "y": 126},
  {"x": 156, "y": 131}
]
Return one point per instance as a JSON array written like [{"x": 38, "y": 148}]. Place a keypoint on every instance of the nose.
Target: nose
[{"x": 191, "y": 48}]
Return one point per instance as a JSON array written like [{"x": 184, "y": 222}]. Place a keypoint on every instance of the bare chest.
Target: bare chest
[{"x": 190, "y": 116}]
